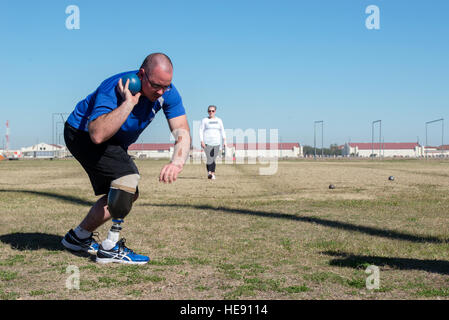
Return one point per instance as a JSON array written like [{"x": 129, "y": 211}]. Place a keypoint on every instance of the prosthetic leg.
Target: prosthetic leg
[
  {"x": 120, "y": 200},
  {"x": 121, "y": 195}
]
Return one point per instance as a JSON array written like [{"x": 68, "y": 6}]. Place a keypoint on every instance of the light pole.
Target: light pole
[
  {"x": 442, "y": 132},
  {"x": 54, "y": 125},
  {"x": 314, "y": 137},
  {"x": 372, "y": 136}
]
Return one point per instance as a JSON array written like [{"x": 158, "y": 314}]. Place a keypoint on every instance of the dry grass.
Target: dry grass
[{"x": 242, "y": 236}]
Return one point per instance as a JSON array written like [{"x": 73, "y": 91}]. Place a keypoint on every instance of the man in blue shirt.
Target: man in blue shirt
[{"x": 98, "y": 133}]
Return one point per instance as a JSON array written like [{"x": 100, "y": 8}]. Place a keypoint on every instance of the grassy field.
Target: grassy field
[{"x": 242, "y": 236}]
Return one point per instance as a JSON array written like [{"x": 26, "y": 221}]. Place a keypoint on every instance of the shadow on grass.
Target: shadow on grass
[
  {"x": 33, "y": 241},
  {"x": 36, "y": 241},
  {"x": 358, "y": 261},
  {"x": 384, "y": 233},
  {"x": 57, "y": 196}
]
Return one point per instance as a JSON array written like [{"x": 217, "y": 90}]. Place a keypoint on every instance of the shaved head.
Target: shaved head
[
  {"x": 157, "y": 60},
  {"x": 156, "y": 74}
]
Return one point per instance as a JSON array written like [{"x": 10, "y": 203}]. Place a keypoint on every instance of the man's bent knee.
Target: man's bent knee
[{"x": 122, "y": 194}]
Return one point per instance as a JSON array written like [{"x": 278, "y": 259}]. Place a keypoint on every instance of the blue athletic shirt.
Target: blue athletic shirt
[{"x": 106, "y": 98}]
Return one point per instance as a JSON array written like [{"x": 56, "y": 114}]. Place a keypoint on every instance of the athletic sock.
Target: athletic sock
[{"x": 81, "y": 233}]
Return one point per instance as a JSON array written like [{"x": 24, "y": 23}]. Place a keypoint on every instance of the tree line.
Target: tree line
[{"x": 333, "y": 150}]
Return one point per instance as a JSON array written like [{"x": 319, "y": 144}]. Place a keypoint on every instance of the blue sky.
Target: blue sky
[{"x": 265, "y": 64}]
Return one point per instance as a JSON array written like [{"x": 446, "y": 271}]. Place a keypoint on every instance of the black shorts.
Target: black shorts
[{"x": 103, "y": 162}]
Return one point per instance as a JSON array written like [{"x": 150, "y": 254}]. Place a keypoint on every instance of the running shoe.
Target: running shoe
[
  {"x": 72, "y": 242},
  {"x": 120, "y": 254}
]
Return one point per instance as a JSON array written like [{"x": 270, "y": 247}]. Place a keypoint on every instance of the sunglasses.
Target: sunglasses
[
  {"x": 157, "y": 86},
  {"x": 210, "y": 110}
]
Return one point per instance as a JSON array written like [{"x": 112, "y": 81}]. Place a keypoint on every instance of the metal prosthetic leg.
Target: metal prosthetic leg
[{"x": 120, "y": 199}]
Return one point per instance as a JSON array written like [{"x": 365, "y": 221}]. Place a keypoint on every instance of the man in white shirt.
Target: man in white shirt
[{"x": 211, "y": 133}]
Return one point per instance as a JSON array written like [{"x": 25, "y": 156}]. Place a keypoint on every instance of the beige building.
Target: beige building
[
  {"x": 265, "y": 150},
  {"x": 151, "y": 150},
  {"x": 436, "y": 152},
  {"x": 240, "y": 151},
  {"x": 44, "y": 151},
  {"x": 387, "y": 149}
]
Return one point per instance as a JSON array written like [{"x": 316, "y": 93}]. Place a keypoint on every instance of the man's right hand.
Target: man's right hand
[
  {"x": 203, "y": 145},
  {"x": 169, "y": 173},
  {"x": 106, "y": 125},
  {"x": 126, "y": 95}
]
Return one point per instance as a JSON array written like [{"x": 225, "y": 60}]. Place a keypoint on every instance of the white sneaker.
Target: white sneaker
[{"x": 213, "y": 177}]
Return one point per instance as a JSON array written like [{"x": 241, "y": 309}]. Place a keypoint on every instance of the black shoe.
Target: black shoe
[{"x": 72, "y": 242}]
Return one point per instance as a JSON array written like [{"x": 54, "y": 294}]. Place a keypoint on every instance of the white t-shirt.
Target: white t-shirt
[{"x": 212, "y": 131}]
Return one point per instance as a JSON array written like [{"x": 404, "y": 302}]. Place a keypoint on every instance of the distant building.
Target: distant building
[
  {"x": 387, "y": 149},
  {"x": 151, "y": 150},
  {"x": 436, "y": 152},
  {"x": 265, "y": 150},
  {"x": 242, "y": 150},
  {"x": 10, "y": 154},
  {"x": 44, "y": 151}
]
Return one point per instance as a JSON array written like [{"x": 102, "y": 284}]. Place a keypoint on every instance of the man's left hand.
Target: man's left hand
[{"x": 169, "y": 173}]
